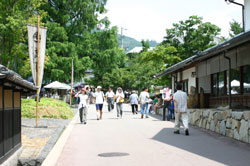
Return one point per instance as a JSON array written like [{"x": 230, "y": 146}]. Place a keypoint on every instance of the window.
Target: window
[
  {"x": 214, "y": 84},
  {"x": 246, "y": 79},
  {"x": 221, "y": 83},
  {"x": 218, "y": 84},
  {"x": 185, "y": 86},
  {"x": 235, "y": 81}
]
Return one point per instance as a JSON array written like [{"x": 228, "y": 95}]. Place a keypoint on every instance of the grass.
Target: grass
[{"x": 48, "y": 108}]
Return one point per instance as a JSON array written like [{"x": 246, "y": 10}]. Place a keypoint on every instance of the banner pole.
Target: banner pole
[{"x": 37, "y": 75}]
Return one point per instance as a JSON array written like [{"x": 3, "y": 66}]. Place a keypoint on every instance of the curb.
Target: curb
[{"x": 55, "y": 153}]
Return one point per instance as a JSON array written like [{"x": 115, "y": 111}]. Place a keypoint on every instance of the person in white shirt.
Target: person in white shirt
[
  {"x": 119, "y": 96},
  {"x": 110, "y": 99},
  {"x": 83, "y": 104},
  {"x": 99, "y": 99},
  {"x": 180, "y": 107},
  {"x": 144, "y": 98}
]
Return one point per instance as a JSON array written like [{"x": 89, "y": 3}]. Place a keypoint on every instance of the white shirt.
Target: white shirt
[
  {"x": 83, "y": 100},
  {"x": 119, "y": 96},
  {"x": 110, "y": 94},
  {"x": 181, "y": 100},
  {"x": 99, "y": 97},
  {"x": 144, "y": 96}
]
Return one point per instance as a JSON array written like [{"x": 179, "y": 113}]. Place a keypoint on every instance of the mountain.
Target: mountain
[{"x": 129, "y": 43}]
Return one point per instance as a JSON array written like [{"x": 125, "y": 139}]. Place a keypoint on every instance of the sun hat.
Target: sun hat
[
  {"x": 99, "y": 87},
  {"x": 83, "y": 89}
]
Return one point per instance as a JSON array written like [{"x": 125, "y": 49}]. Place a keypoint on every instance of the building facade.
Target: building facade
[{"x": 12, "y": 87}]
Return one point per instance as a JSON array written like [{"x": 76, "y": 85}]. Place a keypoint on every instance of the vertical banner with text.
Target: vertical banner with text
[{"x": 32, "y": 36}]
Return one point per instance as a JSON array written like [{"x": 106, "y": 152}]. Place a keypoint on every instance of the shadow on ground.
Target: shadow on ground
[{"x": 207, "y": 144}]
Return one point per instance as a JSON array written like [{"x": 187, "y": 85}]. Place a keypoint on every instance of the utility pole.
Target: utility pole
[
  {"x": 122, "y": 36},
  {"x": 72, "y": 72}
]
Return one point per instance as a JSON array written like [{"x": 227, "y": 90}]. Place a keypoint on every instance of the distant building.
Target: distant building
[{"x": 12, "y": 87}]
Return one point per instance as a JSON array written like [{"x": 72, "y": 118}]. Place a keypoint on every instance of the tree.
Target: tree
[
  {"x": 191, "y": 36},
  {"x": 14, "y": 17},
  {"x": 235, "y": 28}
]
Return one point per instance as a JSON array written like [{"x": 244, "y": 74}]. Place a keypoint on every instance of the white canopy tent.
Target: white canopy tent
[{"x": 57, "y": 85}]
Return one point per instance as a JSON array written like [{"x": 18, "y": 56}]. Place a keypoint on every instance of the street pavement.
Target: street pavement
[{"x": 132, "y": 141}]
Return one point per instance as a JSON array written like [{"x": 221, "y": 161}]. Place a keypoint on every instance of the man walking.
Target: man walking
[
  {"x": 144, "y": 97},
  {"x": 110, "y": 99},
  {"x": 180, "y": 106},
  {"x": 99, "y": 97},
  {"x": 134, "y": 102}
]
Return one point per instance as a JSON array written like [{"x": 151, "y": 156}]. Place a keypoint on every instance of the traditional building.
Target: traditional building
[{"x": 12, "y": 87}]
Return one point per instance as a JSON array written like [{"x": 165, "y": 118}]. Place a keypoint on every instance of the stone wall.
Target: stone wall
[{"x": 225, "y": 122}]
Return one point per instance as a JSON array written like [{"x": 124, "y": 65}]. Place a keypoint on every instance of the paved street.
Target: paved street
[{"x": 146, "y": 142}]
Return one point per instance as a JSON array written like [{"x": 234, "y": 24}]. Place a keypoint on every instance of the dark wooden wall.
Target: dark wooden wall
[{"x": 10, "y": 121}]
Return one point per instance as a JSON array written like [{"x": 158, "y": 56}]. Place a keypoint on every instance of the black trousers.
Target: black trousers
[
  {"x": 166, "y": 104},
  {"x": 110, "y": 103},
  {"x": 134, "y": 108}
]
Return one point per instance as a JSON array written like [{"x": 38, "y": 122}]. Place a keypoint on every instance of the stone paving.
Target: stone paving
[
  {"x": 37, "y": 142},
  {"x": 134, "y": 141}
]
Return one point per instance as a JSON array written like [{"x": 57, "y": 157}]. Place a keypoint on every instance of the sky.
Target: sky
[{"x": 149, "y": 19}]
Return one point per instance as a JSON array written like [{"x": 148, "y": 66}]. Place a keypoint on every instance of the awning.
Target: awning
[{"x": 57, "y": 85}]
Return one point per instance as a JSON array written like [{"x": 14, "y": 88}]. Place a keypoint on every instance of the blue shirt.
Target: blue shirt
[{"x": 133, "y": 99}]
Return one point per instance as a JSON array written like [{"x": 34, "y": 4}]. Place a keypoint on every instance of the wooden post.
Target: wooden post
[
  {"x": 37, "y": 75},
  {"x": 72, "y": 70}
]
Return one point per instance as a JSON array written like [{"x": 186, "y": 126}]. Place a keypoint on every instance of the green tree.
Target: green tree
[
  {"x": 14, "y": 17},
  {"x": 191, "y": 36},
  {"x": 235, "y": 28}
]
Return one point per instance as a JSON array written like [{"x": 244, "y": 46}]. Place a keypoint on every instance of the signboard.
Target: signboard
[{"x": 32, "y": 40}]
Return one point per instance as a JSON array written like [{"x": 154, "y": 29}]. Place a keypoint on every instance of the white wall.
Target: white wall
[
  {"x": 186, "y": 74},
  {"x": 191, "y": 80},
  {"x": 247, "y": 15}
]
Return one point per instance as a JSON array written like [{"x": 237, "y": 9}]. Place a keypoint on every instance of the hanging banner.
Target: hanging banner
[{"x": 32, "y": 40}]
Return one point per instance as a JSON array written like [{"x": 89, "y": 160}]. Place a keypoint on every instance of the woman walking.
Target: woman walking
[
  {"x": 83, "y": 104},
  {"x": 119, "y": 96}
]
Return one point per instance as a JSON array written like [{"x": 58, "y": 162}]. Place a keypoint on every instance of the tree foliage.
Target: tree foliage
[
  {"x": 14, "y": 17},
  {"x": 235, "y": 28},
  {"x": 191, "y": 36}
]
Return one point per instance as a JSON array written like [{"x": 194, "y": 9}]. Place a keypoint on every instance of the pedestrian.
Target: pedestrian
[
  {"x": 110, "y": 99},
  {"x": 144, "y": 97},
  {"x": 166, "y": 99},
  {"x": 119, "y": 96},
  {"x": 83, "y": 104},
  {"x": 156, "y": 104},
  {"x": 171, "y": 109},
  {"x": 99, "y": 99},
  {"x": 134, "y": 102},
  {"x": 88, "y": 93},
  {"x": 180, "y": 107}
]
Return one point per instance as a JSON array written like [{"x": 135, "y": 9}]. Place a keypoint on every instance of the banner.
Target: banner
[{"x": 32, "y": 40}]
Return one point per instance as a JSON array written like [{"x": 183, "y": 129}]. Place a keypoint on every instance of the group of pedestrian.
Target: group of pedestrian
[{"x": 176, "y": 104}]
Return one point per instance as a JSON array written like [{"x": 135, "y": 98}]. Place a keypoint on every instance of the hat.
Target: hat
[
  {"x": 99, "y": 87},
  {"x": 119, "y": 88},
  {"x": 83, "y": 89}
]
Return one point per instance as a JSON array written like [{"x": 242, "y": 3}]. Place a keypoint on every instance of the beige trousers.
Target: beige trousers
[{"x": 181, "y": 116}]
